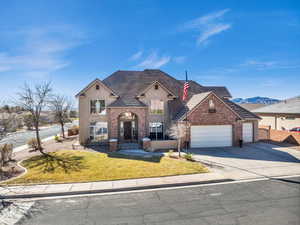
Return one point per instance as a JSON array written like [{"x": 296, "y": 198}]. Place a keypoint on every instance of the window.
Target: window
[
  {"x": 98, "y": 131},
  {"x": 157, "y": 107},
  {"x": 97, "y": 87},
  {"x": 98, "y": 106},
  {"x": 156, "y": 131},
  {"x": 156, "y": 86},
  {"x": 211, "y": 106}
]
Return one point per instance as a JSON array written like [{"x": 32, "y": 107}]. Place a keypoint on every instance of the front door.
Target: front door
[{"x": 127, "y": 130}]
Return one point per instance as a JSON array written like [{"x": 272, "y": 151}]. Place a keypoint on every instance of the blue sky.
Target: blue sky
[{"x": 252, "y": 47}]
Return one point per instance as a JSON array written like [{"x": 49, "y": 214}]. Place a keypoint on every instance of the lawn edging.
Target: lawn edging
[{"x": 19, "y": 164}]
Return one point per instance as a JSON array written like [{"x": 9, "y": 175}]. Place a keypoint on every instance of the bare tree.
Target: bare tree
[
  {"x": 34, "y": 100},
  {"x": 28, "y": 121},
  {"x": 61, "y": 106},
  {"x": 178, "y": 131}
]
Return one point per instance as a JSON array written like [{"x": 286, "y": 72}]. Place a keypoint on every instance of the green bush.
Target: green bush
[
  {"x": 33, "y": 143},
  {"x": 57, "y": 138},
  {"x": 189, "y": 156}
]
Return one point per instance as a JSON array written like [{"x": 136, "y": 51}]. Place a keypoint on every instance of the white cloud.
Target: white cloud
[
  {"x": 263, "y": 65},
  {"x": 136, "y": 56},
  {"x": 179, "y": 59},
  {"x": 260, "y": 64},
  {"x": 41, "y": 50},
  {"x": 208, "y": 26},
  {"x": 214, "y": 30},
  {"x": 154, "y": 61}
]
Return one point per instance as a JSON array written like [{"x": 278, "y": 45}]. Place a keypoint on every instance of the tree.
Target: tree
[
  {"x": 34, "y": 100},
  {"x": 61, "y": 107},
  {"x": 178, "y": 131},
  {"x": 73, "y": 113},
  {"x": 28, "y": 121}
]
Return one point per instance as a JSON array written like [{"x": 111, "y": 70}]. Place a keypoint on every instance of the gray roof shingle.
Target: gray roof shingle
[
  {"x": 129, "y": 84},
  {"x": 197, "y": 98},
  {"x": 196, "y": 88},
  {"x": 291, "y": 106},
  {"x": 242, "y": 112}
]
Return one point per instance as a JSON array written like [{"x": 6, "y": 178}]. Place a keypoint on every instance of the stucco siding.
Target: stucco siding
[
  {"x": 157, "y": 94},
  {"x": 280, "y": 121},
  {"x": 85, "y": 117}
]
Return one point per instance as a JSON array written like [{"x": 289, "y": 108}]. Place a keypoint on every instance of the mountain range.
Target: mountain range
[{"x": 256, "y": 100}]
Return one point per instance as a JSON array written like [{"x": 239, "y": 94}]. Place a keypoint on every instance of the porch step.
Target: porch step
[{"x": 124, "y": 146}]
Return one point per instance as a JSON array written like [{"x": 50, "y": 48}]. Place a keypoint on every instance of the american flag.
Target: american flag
[{"x": 185, "y": 88}]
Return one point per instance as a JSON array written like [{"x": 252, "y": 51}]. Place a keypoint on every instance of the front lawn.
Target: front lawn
[{"x": 81, "y": 166}]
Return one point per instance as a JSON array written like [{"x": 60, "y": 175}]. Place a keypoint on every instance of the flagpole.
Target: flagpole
[{"x": 186, "y": 122}]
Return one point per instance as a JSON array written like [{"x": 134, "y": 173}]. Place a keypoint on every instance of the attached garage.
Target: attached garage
[
  {"x": 211, "y": 136},
  {"x": 247, "y": 132}
]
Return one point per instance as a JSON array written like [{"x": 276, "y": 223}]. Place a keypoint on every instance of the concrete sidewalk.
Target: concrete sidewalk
[{"x": 44, "y": 190}]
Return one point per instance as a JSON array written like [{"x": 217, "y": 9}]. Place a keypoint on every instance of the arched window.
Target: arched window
[{"x": 211, "y": 106}]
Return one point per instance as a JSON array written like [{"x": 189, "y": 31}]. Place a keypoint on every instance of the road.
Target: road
[
  {"x": 265, "y": 202},
  {"x": 21, "y": 138}
]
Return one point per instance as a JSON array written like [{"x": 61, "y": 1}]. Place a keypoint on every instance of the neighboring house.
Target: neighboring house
[
  {"x": 131, "y": 105},
  {"x": 284, "y": 115},
  {"x": 252, "y": 106}
]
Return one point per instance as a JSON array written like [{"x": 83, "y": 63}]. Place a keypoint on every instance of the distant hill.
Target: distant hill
[{"x": 256, "y": 100}]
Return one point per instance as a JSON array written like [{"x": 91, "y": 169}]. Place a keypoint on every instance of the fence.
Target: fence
[{"x": 266, "y": 133}]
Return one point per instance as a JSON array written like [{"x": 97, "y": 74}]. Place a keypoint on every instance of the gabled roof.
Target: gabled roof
[
  {"x": 158, "y": 83},
  {"x": 196, "y": 88},
  {"x": 243, "y": 113},
  {"x": 291, "y": 106},
  {"x": 127, "y": 102},
  {"x": 129, "y": 84},
  {"x": 91, "y": 84},
  {"x": 251, "y": 106},
  {"x": 199, "y": 98}
]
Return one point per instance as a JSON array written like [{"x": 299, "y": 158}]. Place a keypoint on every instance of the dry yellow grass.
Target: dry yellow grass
[{"x": 81, "y": 166}]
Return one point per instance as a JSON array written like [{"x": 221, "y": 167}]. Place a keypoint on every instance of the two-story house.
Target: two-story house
[{"x": 131, "y": 105}]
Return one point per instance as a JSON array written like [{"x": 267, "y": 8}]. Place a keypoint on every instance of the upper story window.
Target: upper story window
[
  {"x": 97, "y": 87},
  {"x": 157, "y": 107},
  {"x": 211, "y": 106},
  {"x": 98, "y": 107}
]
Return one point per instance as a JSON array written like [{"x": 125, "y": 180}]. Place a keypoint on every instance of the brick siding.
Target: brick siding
[
  {"x": 113, "y": 118},
  {"x": 222, "y": 116}
]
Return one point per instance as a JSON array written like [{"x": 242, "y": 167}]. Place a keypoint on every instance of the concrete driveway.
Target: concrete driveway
[{"x": 252, "y": 161}]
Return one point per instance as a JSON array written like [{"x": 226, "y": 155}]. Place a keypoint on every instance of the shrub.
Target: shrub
[
  {"x": 57, "y": 138},
  {"x": 73, "y": 131},
  {"x": 6, "y": 153},
  {"x": 33, "y": 143},
  {"x": 189, "y": 156}
]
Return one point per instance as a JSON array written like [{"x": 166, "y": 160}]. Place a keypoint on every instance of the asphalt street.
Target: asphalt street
[
  {"x": 21, "y": 138},
  {"x": 265, "y": 202}
]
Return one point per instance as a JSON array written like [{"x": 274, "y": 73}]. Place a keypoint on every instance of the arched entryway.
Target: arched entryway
[{"x": 128, "y": 127}]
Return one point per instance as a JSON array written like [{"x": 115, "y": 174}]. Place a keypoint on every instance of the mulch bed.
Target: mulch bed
[{"x": 10, "y": 170}]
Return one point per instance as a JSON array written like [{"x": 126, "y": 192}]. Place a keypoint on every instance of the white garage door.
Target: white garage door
[
  {"x": 247, "y": 132},
  {"x": 211, "y": 136}
]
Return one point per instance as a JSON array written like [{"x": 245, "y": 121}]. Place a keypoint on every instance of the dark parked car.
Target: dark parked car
[{"x": 296, "y": 129}]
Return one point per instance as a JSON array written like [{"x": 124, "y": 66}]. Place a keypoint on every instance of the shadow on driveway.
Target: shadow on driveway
[{"x": 249, "y": 151}]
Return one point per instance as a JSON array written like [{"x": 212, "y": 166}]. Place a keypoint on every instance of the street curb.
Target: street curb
[{"x": 113, "y": 190}]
